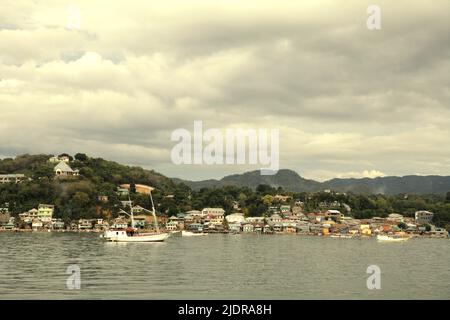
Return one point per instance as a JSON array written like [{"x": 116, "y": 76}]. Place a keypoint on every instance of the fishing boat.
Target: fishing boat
[
  {"x": 386, "y": 238},
  {"x": 185, "y": 233},
  {"x": 132, "y": 234}
]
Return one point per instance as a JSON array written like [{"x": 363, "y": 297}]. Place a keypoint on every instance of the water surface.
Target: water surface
[{"x": 33, "y": 266}]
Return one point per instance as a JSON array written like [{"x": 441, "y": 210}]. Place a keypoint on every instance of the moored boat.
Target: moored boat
[
  {"x": 133, "y": 235},
  {"x": 386, "y": 238},
  {"x": 185, "y": 233}
]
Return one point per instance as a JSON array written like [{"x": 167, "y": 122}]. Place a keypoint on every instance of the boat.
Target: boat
[
  {"x": 175, "y": 233},
  {"x": 132, "y": 234},
  {"x": 386, "y": 238},
  {"x": 185, "y": 233},
  {"x": 342, "y": 236}
]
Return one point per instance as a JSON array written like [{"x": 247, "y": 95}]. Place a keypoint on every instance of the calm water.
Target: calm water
[{"x": 33, "y": 266}]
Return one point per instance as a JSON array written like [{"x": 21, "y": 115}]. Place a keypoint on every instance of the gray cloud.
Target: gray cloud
[{"x": 347, "y": 100}]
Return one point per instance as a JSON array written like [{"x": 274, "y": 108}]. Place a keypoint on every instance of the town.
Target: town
[{"x": 284, "y": 214}]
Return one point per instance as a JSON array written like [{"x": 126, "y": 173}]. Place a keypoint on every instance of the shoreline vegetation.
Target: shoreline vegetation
[{"x": 84, "y": 194}]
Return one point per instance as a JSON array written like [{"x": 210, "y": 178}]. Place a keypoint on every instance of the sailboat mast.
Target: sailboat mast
[
  {"x": 131, "y": 211},
  {"x": 154, "y": 212}
]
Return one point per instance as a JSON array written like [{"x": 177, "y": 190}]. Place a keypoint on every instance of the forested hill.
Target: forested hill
[
  {"x": 98, "y": 170},
  {"x": 77, "y": 197},
  {"x": 291, "y": 181}
]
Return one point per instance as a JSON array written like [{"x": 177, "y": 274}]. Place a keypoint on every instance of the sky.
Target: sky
[{"x": 117, "y": 82}]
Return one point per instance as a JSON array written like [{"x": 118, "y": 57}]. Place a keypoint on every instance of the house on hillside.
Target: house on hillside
[
  {"x": 140, "y": 188},
  {"x": 65, "y": 159},
  {"x": 12, "y": 178},
  {"x": 62, "y": 169}
]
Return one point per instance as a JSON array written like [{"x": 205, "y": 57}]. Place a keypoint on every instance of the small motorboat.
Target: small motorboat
[
  {"x": 185, "y": 233},
  {"x": 386, "y": 238}
]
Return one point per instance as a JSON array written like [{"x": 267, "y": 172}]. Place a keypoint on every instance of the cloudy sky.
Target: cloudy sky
[{"x": 348, "y": 101}]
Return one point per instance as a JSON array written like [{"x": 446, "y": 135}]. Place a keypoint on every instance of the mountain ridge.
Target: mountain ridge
[{"x": 290, "y": 180}]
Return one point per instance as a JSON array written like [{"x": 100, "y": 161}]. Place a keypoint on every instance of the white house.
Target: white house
[
  {"x": 217, "y": 212},
  {"x": 235, "y": 218},
  {"x": 423, "y": 217},
  {"x": 395, "y": 217},
  {"x": 12, "y": 178},
  {"x": 63, "y": 169}
]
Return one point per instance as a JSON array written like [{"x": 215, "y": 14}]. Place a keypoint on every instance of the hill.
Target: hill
[{"x": 291, "y": 181}]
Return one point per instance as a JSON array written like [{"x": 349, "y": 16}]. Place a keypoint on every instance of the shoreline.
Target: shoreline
[{"x": 333, "y": 236}]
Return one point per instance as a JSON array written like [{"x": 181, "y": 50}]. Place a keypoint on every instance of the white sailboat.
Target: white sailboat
[
  {"x": 133, "y": 235},
  {"x": 386, "y": 238}
]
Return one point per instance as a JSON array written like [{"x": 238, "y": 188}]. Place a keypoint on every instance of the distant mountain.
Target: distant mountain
[
  {"x": 287, "y": 179},
  {"x": 292, "y": 181},
  {"x": 393, "y": 185}
]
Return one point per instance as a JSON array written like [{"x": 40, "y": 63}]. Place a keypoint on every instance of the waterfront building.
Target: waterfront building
[
  {"x": 172, "y": 225},
  {"x": 216, "y": 212},
  {"x": 275, "y": 218},
  {"x": 290, "y": 228},
  {"x": 84, "y": 224},
  {"x": 235, "y": 218},
  {"x": 10, "y": 224},
  {"x": 195, "y": 227},
  {"x": 36, "y": 224},
  {"x": 255, "y": 219},
  {"x": 423, "y": 217},
  {"x": 303, "y": 228},
  {"x": 277, "y": 227},
  {"x": 258, "y": 227},
  {"x": 248, "y": 227},
  {"x": 45, "y": 212},
  {"x": 395, "y": 217},
  {"x": 57, "y": 224},
  {"x": 12, "y": 178}
]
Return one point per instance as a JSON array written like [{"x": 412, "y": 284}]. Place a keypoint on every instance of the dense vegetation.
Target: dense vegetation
[{"x": 78, "y": 197}]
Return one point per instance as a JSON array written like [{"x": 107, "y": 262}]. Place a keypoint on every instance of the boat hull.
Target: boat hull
[{"x": 114, "y": 236}]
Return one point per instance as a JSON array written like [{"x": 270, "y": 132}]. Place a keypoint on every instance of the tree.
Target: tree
[
  {"x": 402, "y": 225},
  {"x": 447, "y": 198},
  {"x": 268, "y": 200},
  {"x": 66, "y": 155},
  {"x": 81, "y": 157}
]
